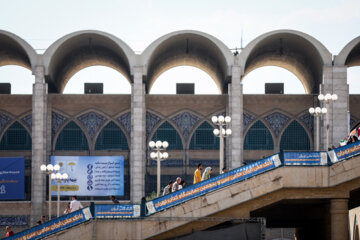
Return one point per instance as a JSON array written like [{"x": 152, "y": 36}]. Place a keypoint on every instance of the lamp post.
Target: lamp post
[
  {"x": 317, "y": 112},
  {"x": 49, "y": 169},
  {"x": 222, "y": 132},
  {"x": 157, "y": 147},
  {"x": 327, "y": 99},
  {"x": 59, "y": 177}
]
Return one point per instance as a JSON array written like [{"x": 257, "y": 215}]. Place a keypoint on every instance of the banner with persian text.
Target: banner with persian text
[
  {"x": 213, "y": 184},
  {"x": 12, "y": 178},
  {"x": 90, "y": 175},
  {"x": 54, "y": 226},
  {"x": 342, "y": 153},
  {"x": 117, "y": 211},
  {"x": 305, "y": 158}
]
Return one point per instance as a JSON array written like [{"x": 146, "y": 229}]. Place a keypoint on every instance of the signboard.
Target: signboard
[
  {"x": 342, "y": 153},
  {"x": 54, "y": 226},
  {"x": 305, "y": 158},
  {"x": 212, "y": 184},
  {"x": 90, "y": 175},
  {"x": 12, "y": 178},
  {"x": 117, "y": 211}
]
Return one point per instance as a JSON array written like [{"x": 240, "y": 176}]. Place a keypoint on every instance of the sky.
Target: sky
[{"x": 333, "y": 22}]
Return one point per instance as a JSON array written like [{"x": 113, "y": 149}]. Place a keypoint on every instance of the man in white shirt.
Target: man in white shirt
[
  {"x": 175, "y": 186},
  {"x": 75, "y": 204}
]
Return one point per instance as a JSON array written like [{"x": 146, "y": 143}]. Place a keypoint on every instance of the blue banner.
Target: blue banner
[
  {"x": 117, "y": 211},
  {"x": 212, "y": 184},
  {"x": 90, "y": 175},
  {"x": 54, "y": 226},
  {"x": 305, "y": 158},
  {"x": 12, "y": 178},
  {"x": 342, "y": 153}
]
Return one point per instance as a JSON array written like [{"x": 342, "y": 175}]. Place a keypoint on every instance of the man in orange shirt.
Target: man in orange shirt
[{"x": 197, "y": 174}]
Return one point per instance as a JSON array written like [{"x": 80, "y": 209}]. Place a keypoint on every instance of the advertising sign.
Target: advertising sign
[
  {"x": 213, "y": 184},
  {"x": 54, "y": 226},
  {"x": 342, "y": 153},
  {"x": 12, "y": 178},
  {"x": 117, "y": 211},
  {"x": 90, "y": 175},
  {"x": 305, "y": 158}
]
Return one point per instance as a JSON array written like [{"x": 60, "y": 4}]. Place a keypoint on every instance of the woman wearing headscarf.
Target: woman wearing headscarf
[{"x": 206, "y": 173}]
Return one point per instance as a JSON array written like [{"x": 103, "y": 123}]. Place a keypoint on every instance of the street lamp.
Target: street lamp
[
  {"x": 327, "y": 99},
  {"x": 317, "y": 112},
  {"x": 222, "y": 132},
  {"x": 59, "y": 177},
  {"x": 49, "y": 169},
  {"x": 157, "y": 147}
]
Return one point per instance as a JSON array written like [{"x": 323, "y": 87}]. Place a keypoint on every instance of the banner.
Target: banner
[
  {"x": 342, "y": 153},
  {"x": 117, "y": 211},
  {"x": 90, "y": 175},
  {"x": 212, "y": 184},
  {"x": 54, "y": 226},
  {"x": 12, "y": 178},
  {"x": 305, "y": 158}
]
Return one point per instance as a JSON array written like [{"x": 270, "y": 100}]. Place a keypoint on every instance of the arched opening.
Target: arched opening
[
  {"x": 71, "y": 138},
  {"x": 16, "y": 137},
  {"x": 166, "y": 82},
  {"x": 353, "y": 79},
  {"x": 295, "y": 138},
  {"x": 113, "y": 81},
  {"x": 258, "y": 138},
  {"x": 204, "y": 138},
  {"x": 111, "y": 138},
  {"x": 20, "y": 79},
  {"x": 254, "y": 81},
  {"x": 166, "y": 132},
  {"x": 188, "y": 48}
]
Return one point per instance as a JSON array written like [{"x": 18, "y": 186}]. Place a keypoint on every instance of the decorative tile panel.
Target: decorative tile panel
[
  {"x": 308, "y": 119},
  {"x": 247, "y": 119},
  {"x": 168, "y": 162},
  {"x": 151, "y": 121},
  {"x": 57, "y": 120},
  {"x": 28, "y": 121},
  {"x": 185, "y": 122},
  {"x": 4, "y": 120},
  {"x": 92, "y": 121},
  {"x": 125, "y": 121},
  {"x": 276, "y": 121},
  {"x": 13, "y": 220}
]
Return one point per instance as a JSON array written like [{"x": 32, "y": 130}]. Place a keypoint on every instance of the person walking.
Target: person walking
[
  {"x": 168, "y": 188},
  {"x": 114, "y": 200},
  {"x": 9, "y": 232},
  {"x": 67, "y": 209},
  {"x": 75, "y": 204},
  {"x": 197, "y": 174},
  {"x": 206, "y": 174},
  {"x": 176, "y": 184}
]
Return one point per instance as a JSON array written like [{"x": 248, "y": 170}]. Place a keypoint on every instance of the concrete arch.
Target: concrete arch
[
  {"x": 82, "y": 49},
  {"x": 295, "y": 51},
  {"x": 350, "y": 54},
  {"x": 16, "y": 51},
  {"x": 188, "y": 48}
]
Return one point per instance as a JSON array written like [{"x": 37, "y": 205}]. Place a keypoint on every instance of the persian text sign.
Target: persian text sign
[
  {"x": 213, "y": 184},
  {"x": 305, "y": 158},
  {"x": 54, "y": 226},
  {"x": 12, "y": 178},
  {"x": 117, "y": 211},
  {"x": 341, "y": 153},
  {"x": 90, "y": 175}
]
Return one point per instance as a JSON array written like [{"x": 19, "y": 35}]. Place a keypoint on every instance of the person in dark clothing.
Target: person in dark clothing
[{"x": 114, "y": 200}]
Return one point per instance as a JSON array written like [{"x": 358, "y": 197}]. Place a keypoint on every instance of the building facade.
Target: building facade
[{"x": 49, "y": 123}]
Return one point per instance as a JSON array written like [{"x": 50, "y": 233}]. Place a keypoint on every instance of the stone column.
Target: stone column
[
  {"x": 335, "y": 81},
  {"x": 339, "y": 219},
  {"x": 39, "y": 111},
  {"x": 138, "y": 137},
  {"x": 236, "y": 114}
]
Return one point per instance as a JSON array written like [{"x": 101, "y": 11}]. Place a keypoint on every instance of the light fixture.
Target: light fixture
[
  {"x": 216, "y": 132},
  {"x": 158, "y": 144},
  {"x": 214, "y": 119},
  {"x": 228, "y": 132},
  {"x": 165, "y": 144},
  {"x": 227, "y": 119},
  {"x": 151, "y": 144},
  {"x": 221, "y": 119}
]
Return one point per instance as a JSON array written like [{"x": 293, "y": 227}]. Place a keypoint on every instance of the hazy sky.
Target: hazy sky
[{"x": 138, "y": 23}]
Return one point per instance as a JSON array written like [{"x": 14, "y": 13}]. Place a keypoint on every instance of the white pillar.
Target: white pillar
[
  {"x": 335, "y": 81},
  {"x": 236, "y": 114},
  {"x": 39, "y": 114},
  {"x": 138, "y": 137}
]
